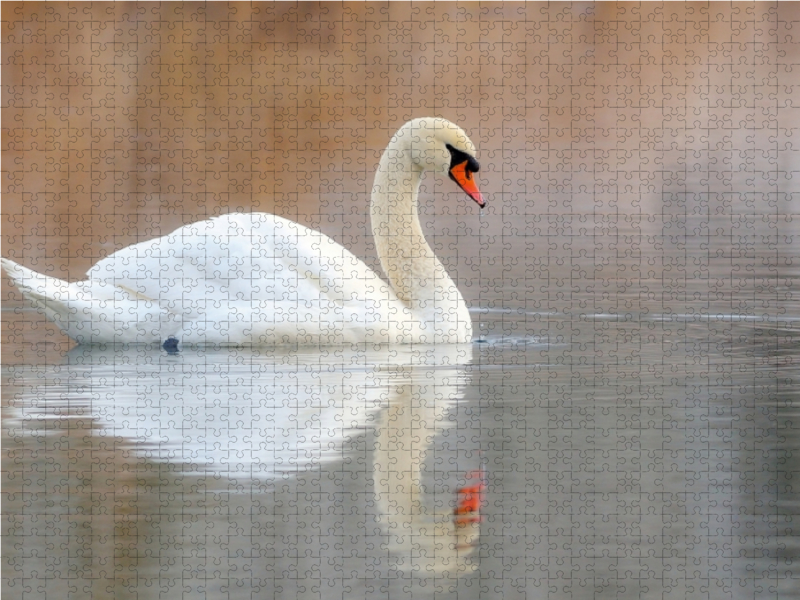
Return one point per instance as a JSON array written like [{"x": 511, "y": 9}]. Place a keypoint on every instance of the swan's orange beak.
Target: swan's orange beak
[
  {"x": 462, "y": 175},
  {"x": 470, "y": 499}
]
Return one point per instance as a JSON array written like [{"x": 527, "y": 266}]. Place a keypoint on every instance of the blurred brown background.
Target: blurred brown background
[{"x": 124, "y": 121}]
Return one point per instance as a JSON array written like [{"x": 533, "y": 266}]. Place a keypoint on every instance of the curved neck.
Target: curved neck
[{"x": 408, "y": 261}]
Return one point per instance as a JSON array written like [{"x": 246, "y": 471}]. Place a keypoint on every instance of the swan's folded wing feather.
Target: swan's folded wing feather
[
  {"x": 257, "y": 258},
  {"x": 95, "y": 311}
]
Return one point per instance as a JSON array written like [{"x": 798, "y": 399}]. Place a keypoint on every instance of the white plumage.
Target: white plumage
[{"x": 260, "y": 279}]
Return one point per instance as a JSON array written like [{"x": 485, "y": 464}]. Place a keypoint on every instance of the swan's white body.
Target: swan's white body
[{"x": 259, "y": 279}]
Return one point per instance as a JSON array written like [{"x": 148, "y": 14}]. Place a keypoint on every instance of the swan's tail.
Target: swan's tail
[
  {"x": 94, "y": 312},
  {"x": 37, "y": 288}
]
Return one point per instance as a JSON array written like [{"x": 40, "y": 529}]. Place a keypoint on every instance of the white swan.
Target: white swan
[{"x": 259, "y": 279}]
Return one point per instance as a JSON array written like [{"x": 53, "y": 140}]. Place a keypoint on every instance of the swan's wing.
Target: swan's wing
[
  {"x": 94, "y": 311},
  {"x": 242, "y": 258}
]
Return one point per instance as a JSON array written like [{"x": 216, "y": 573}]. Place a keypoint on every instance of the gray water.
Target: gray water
[{"x": 636, "y": 437}]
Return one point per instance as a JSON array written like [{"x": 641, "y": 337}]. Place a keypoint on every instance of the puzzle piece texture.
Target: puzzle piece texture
[{"x": 567, "y": 368}]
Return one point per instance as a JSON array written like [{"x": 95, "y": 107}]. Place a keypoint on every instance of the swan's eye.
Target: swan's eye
[
  {"x": 462, "y": 166},
  {"x": 458, "y": 157}
]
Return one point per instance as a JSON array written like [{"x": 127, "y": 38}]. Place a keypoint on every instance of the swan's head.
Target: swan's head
[{"x": 438, "y": 145}]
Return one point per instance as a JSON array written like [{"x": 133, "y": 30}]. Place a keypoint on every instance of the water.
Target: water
[{"x": 647, "y": 454}]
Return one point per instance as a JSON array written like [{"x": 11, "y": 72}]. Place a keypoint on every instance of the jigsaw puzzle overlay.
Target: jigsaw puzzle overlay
[{"x": 567, "y": 368}]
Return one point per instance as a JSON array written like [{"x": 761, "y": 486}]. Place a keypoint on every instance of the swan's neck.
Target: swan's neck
[{"x": 412, "y": 268}]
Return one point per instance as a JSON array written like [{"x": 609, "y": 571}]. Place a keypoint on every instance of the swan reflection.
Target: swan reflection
[
  {"x": 424, "y": 535},
  {"x": 272, "y": 421}
]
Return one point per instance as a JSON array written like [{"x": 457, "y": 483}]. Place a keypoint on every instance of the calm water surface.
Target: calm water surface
[{"x": 626, "y": 437}]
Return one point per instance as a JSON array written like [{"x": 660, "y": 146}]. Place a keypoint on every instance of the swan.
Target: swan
[{"x": 260, "y": 279}]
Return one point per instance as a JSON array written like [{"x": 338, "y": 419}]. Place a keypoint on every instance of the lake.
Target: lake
[{"x": 631, "y": 443}]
